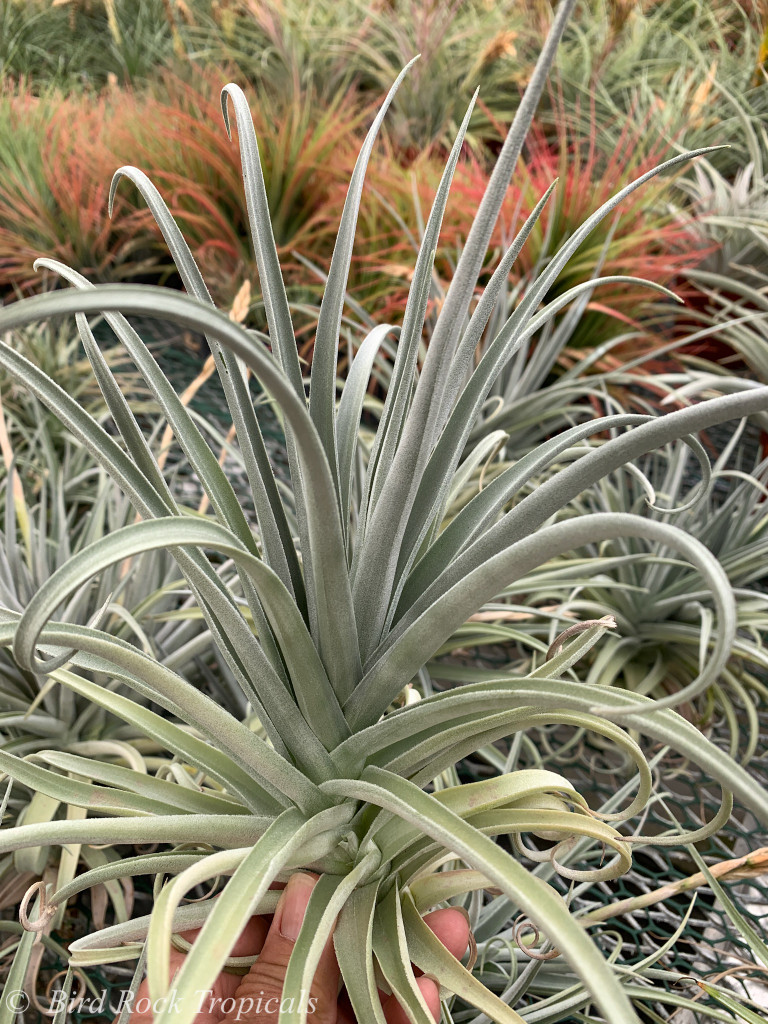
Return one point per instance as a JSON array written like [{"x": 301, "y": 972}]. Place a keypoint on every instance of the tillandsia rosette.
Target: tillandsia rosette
[{"x": 347, "y": 588}]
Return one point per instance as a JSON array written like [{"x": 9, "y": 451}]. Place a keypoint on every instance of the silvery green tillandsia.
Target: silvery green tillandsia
[
  {"x": 665, "y": 619},
  {"x": 44, "y": 523},
  {"x": 333, "y": 624}
]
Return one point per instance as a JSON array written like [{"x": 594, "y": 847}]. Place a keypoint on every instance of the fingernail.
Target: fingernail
[
  {"x": 431, "y": 978},
  {"x": 463, "y": 911},
  {"x": 294, "y": 904}
]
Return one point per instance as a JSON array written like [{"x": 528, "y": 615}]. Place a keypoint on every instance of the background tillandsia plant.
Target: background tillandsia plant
[
  {"x": 53, "y": 195},
  {"x": 70, "y": 502},
  {"x": 57, "y": 155},
  {"x": 665, "y": 621},
  {"x": 82, "y": 41},
  {"x": 33, "y": 432},
  {"x": 688, "y": 65},
  {"x": 693, "y": 83},
  {"x": 331, "y": 623}
]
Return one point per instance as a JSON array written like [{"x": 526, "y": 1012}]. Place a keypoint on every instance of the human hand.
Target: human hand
[{"x": 255, "y": 998}]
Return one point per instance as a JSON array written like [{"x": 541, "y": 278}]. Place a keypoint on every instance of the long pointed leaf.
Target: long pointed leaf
[
  {"x": 555, "y": 493},
  {"x": 276, "y": 536},
  {"x": 297, "y": 646},
  {"x": 429, "y": 954},
  {"x": 201, "y": 458},
  {"x": 336, "y": 622},
  {"x": 399, "y": 390},
  {"x": 485, "y": 505},
  {"x": 322, "y": 389},
  {"x": 328, "y": 897},
  {"x": 403, "y": 654},
  {"x": 353, "y": 943}
]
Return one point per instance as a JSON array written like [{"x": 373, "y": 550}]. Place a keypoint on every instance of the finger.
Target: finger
[
  {"x": 344, "y": 1012},
  {"x": 249, "y": 942},
  {"x": 142, "y": 1012},
  {"x": 252, "y": 937},
  {"x": 395, "y": 1014},
  {"x": 451, "y": 926},
  {"x": 259, "y": 994}
]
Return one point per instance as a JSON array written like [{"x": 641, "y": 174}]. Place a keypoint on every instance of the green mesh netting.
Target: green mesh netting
[
  {"x": 710, "y": 943},
  {"x": 107, "y": 982}
]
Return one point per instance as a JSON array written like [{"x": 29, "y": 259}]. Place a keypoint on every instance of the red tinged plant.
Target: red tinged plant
[
  {"x": 56, "y": 163},
  {"x": 344, "y": 612},
  {"x": 643, "y": 240}
]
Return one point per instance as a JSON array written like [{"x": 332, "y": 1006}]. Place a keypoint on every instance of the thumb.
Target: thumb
[{"x": 259, "y": 994}]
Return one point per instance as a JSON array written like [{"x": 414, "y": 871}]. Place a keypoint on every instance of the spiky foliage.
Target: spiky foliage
[
  {"x": 73, "y": 504},
  {"x": 331, "y": 48},
  {"x": 69, "y": 503},
  {"x": 687, "y": 65},
  {"x": 666, "y": 621},
  {"x": 730, "y": 282},
  {"x": 53, "y": 192},
  {"x": 470, "y": 46},
  {"x": 79, "y": 42},
  {"x": 645, "y": 239},
  {"x": 33, "y": 431},
  {"x": 684, "y": 62},
  {"x": 292, "y": 48},
  {"x": 58, "y": 152},
  {"x": 343, "y": 617},
  {"x": 735, "y": 214}
]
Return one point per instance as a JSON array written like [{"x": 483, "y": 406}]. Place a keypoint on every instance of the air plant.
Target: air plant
[
  {"x": 334, "y": 623},
  {"x": 56, "y": 348},
  {"x": 685, "y": 64},
  {"x": 65, "y": 504},
  {"x": 730, "y": 281},
  {"x": 69, "y": 502},
  {"x": 663, "y": 916},
  {"x": 76, "y": 43},
  {"x": 665, "y": 620},
  {"x": 332, "y": 49},
  {"x": 293, "y": 48}
]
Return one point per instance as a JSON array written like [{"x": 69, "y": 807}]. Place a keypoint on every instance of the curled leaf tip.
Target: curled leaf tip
[
  {"x": 607, "y": 622},
  {"x": 46, "y": 911},
  {"x": 225, "y": 108},
  {"x": 121, "y": 172}
]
